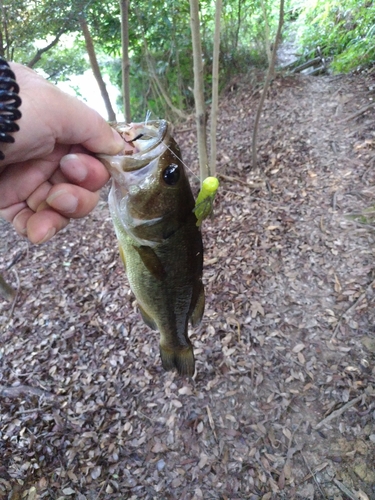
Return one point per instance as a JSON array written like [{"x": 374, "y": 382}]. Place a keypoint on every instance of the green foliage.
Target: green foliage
[
  {"x": 24, "y": 23},
  {"x": 69, "y": 60},
  {"x": 160, "y": 43},
  {"x": 344, "y": 30}
]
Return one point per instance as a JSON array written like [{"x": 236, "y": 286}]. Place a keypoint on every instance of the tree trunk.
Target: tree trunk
[
  {"x": 181, "y": 93},
  {"x": 238, "y": 27},
  {"x": 4, "y": 36},
  {"x": 307, "y": 64},
  {"x": 124, "y": 7},
  {"x": 95, "y": 68},
  {"x": 199, "y": 90},
  {"x": 267, "y": 32},
  {"x": 270, "y": 72},
  {"x": 215, "y": 87}
]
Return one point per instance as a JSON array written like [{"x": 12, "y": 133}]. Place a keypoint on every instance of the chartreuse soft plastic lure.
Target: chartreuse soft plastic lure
[{"x": 205, "y": 199}]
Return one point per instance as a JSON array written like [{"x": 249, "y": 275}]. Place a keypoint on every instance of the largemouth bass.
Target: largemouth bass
[{"x": 152, "y": 208}]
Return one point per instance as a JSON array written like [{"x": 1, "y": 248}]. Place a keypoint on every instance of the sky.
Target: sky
[{"x": 90, "y": 92}]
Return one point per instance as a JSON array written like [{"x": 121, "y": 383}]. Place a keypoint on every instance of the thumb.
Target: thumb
[
  {"x": 80, "y": 124},
  {"x": 51, "y": 114}
]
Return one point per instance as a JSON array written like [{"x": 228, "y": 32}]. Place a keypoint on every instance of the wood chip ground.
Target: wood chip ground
[{"x": 283, "y": 402}]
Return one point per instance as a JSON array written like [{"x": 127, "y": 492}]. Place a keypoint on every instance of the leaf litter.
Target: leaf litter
[{"x": 283, "y": 402}]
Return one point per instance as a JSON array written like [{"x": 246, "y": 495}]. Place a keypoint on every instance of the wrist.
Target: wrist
[{"x": 9, "y": 104}]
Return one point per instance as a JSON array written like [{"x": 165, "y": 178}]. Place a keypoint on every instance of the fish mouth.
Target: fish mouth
[{"x": 143, "y": 142}]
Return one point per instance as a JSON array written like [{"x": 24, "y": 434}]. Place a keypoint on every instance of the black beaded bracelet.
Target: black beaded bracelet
[{"x": 10, "y": 101}]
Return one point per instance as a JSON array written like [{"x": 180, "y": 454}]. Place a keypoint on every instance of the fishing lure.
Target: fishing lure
[{"x": 204, "y": 203}]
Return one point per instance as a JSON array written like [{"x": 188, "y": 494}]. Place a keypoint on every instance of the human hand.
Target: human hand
[{"x": 49, "y": 174}]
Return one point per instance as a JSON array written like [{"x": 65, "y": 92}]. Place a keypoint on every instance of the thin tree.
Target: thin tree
[
  {"x": 124, "y": 7},
  {"x": 238, "y": 27},
  {"x": 4, "y": 38},
  {"x": 270, "y": 72},
  {"x": 200, "y": 111},
  {"x": 162, "y": 92},
  {"x": 95, "y": 68},
  {"x": 156, "y": 84},
  {"x": 267, "y": 31},
  {"x": 215, "y": 87}
]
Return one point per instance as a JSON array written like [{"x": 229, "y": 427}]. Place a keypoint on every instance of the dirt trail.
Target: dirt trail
[{"x": 287, "y": 339}]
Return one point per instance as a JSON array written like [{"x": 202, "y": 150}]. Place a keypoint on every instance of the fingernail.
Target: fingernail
[
  {"x": 73, "y": 166},
  {"x": 42, "y": 206},
  {"x": 20, "y": 221},
  {"x": 51, "y": 232},
  {"x": 63, "y": 202}
]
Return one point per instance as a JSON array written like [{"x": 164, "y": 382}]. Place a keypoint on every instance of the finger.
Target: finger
[
  {"x": 72, "y": 201},
  {"x": 14, "y": 188},
  {"x": 43, "y": 225},
  {"x": 87, "y": 128},
  {"x": 84, "y": 170},
  {"x": 21, "y": 219},
  {"x": 39, "y": 196},
  {"x": 58, "y": 177},
  {"x": 10, "y": 213}
]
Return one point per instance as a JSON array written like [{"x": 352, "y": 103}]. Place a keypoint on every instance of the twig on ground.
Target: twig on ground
[
  {"x": 211, "y": 421},
  {"x": 104, "y": 485},
  {"x": 345, "y": 490},
  {"x": 15, "y": 296},
  {"x": 334, "y": 201},
  {"x": 188, "y": 129},
  {"x": 230, "y": 178},
  {"x": 318, "y": 468},
  {"x": 350, "y": 309},
  {"x": 23, "y": 390},
  {"x": 19, "y": 255},
  {"x": 338, "y": 412},
  {"x": 313, "y": 476},
  {"x": 358, "y": 113},
  {"x": 371, "y": 166}
]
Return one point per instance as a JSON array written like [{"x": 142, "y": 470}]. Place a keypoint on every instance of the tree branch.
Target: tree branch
[
  {"x": 40, "y": 52},
  {"x": 266, "y": 84}
]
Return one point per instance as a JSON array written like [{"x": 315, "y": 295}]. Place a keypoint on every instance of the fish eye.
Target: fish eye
[{"x": 171, "y": 174}]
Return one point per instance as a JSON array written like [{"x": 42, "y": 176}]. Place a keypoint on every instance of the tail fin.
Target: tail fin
[{"x": 180, "y": 359}]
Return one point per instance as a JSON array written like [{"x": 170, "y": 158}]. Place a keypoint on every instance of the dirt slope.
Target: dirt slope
[{"x": 287, "y": 339}]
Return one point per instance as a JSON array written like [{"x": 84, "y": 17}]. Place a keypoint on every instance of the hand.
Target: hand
[{"x": 49, "y": 174}]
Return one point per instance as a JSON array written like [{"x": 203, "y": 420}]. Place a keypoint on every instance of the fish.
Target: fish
[{"x": 152, "y": 209}]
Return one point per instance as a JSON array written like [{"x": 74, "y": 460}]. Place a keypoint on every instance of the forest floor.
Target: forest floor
[{"x": 283, "y": 402}]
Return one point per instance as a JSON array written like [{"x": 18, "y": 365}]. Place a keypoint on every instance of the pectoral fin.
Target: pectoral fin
[
  {"x": 151, "y": 261},
  {"x": 147, "y": 318},
  {"x": 197, "y": 314}
]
